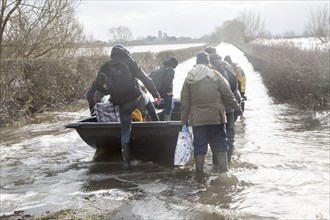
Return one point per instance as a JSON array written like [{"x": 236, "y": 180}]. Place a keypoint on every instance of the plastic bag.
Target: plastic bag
[
  {"x": 106, "y": 112},
  {"x": 184, "y": 150}
]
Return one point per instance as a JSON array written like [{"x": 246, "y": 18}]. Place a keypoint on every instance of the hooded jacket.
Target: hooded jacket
[
  {"x": 120, "y": 54},
  {"x": 203, "y": 95},
  {"x": 227, "y": 71},
  {"x": 168, "y": 78},
  {"x": 240, "y": 77}
]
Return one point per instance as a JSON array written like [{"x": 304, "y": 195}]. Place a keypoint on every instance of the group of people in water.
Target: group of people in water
[{"x": 210, "y": 99}]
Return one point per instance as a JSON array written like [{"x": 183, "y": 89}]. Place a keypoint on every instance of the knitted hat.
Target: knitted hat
[
  {"x": 202, "y": 58},
  {"x": 228, "y": 59},
  {"x": 210, "y": 50},
  {"x": 174, "y": 62}
]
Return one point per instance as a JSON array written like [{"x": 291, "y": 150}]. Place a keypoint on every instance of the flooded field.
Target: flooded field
[{"x": 281, "y": 162}]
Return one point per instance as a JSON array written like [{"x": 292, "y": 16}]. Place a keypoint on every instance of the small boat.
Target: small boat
[{"x": 150, "y": 140}]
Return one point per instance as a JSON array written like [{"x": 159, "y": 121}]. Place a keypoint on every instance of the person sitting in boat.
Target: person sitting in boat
[{"x": 122, "y": 72}]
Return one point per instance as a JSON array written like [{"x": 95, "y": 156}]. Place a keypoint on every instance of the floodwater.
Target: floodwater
[
  {"x": 139, "y": 49},
  {"x": 281, "y": 162}
]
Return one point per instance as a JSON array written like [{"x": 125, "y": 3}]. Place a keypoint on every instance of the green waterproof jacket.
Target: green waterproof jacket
[{"x": 203, "y": 95}]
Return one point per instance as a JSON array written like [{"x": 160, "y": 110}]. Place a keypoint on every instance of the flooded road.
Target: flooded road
[{"x": 281, "y": 161}]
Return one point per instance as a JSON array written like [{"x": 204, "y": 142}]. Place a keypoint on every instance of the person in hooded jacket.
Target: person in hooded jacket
[
  {"x": 165, "y": 89},
  {"x": 136, "y": 98},
  {"x": 228, "y": 72},
  {"x": 241, "y": 77},
  {"x": 203, "y": 95}
]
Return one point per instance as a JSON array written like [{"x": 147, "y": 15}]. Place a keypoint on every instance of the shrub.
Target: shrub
[
  {"x": 292, "y": 75},
  {"x": 32, "y": 86}
]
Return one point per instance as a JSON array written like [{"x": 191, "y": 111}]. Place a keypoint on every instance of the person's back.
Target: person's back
[
  {"x": 203, "y": 95},
  {"x": 230, "y": 75},
  {"x": 122, "y": 86},
  {"x": 163, "y": 79},
  {"x": 129, "y": 95},
  {"x": 223, "y": 67},
  {"x": 240, "y": 75}
]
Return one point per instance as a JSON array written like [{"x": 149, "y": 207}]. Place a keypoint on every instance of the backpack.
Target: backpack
[
  {"x": 157, "y": 77},
  {"x": 121, "y": 83}
]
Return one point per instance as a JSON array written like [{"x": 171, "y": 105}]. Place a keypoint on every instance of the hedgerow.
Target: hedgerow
[
  {"x": 38, "y": 85},
  {"x": 293, "y": 75}
]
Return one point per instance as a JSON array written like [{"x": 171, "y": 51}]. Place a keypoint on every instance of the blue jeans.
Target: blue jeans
[
  {"x": 152, "y": 111},
  {"x": 167, "y": 103},
  {"x": 125, "y": 111},
  {"x": 214, "y": 135}
]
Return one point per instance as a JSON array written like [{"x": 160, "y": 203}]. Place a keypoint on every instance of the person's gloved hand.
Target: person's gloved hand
[
  {"x": 244, "y": 98},
  {"x": 238, "y": 113}
]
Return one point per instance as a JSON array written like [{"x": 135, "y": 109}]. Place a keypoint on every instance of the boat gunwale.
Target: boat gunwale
[{"x": 143, "y": 124}]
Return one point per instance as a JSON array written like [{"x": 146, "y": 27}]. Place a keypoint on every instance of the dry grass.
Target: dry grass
[
  {"x": 32, "y": 86},
  {"x": 293, "y": 75}
]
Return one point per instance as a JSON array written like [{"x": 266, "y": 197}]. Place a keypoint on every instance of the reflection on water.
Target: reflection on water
[{"x": 281, "y": 162}]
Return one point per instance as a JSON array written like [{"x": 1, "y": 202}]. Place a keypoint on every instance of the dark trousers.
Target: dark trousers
[
  {"x": 230, "y": 129},
  {"x": 214, "y": 135},
  {"x": 167, "y": 104},
  {"x": 125, "y": 112}
]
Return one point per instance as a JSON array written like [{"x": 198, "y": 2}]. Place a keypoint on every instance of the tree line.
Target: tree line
[
  {"x": 47, "y": 28},
  {"x": 40, "y": 67},
  {"x": 38, "y": 28}
]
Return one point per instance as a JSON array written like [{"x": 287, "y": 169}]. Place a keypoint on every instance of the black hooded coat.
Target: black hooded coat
[{"x": 119, "y": 54}]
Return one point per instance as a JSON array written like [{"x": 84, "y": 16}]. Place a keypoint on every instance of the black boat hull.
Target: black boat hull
[{"x": 150, "y": 140}]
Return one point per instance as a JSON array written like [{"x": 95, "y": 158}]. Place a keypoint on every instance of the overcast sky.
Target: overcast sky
[{"x": 189, "y": 18}]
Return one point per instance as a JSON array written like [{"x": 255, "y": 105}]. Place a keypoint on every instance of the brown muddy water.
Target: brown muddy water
[{"x": 281, "y": 162}]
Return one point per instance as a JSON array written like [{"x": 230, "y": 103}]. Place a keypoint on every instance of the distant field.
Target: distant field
[
  {"x": 139, "y": 49},
  {"x": 302, "y": 43}
]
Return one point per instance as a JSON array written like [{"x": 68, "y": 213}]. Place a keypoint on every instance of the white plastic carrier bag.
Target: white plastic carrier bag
[{"x": 184, "y": 150}]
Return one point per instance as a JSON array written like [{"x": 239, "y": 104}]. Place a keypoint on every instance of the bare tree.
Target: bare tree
[
  {"x": 319, "y": 22},
  {"x": 120, "y": 34},
  {"x": 35, "y": 28},
  {"x": 233, "y": 31},
  {"x": 253, "y": 25},
  {"x": 7, "y": 10}
]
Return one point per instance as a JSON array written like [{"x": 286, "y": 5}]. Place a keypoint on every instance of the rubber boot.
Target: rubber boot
[
  {"x": 126, "y": 156},
  {"x": 167, "y": 117},
  {"x": 154, "y": 117},
  {"x": 199, "y": 161},
  {"x": 222, "y": 161},
  {"x": 214, "y": 160},
  {"x": 229, "y": 153}
]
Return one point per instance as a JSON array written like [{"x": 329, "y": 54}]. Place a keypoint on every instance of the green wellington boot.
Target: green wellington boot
[
  {"x": 222, "y": 161},
  {"x": 199, "y": 161}
]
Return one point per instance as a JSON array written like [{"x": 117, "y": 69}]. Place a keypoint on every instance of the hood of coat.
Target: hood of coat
[
  {"x": 199, "y": 72},
  {"x": 119, "y": 51}
]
